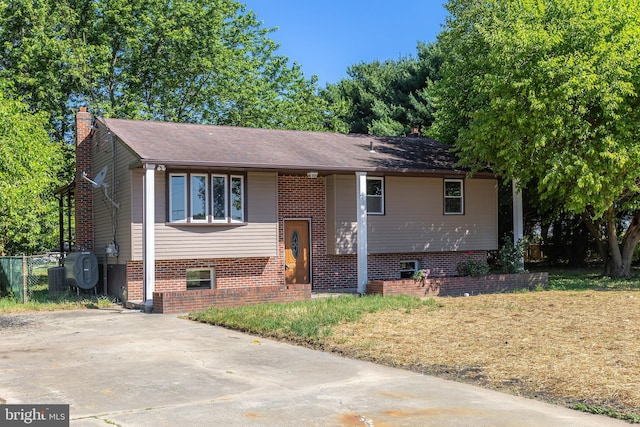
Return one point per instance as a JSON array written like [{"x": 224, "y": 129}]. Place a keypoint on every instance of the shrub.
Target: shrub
[
  {"x": 511, "y": 257},
  {"x": 470, "y": 267},
  {"x": 421, "y": 275}
]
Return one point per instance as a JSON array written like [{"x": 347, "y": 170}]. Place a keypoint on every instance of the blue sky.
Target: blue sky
[{"x": 326, "y": 37}]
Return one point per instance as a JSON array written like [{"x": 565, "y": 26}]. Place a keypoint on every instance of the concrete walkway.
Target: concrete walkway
[{"x": 127, "y": 368}]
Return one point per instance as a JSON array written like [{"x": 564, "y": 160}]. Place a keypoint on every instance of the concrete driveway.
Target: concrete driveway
[{"x": 127, "y": 368}]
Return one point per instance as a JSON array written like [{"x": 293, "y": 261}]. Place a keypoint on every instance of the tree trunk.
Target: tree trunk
[
  {"x": 595, "y": 228},
  {"x": 629, "y": 243},
  {"x": 621, "y": 255},
  {"x": 617, "y": 257},
  {"x": 616, "y": 265}
]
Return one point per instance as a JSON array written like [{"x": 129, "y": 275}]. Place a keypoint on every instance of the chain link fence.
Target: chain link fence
[{"x": 23, "y": 276}]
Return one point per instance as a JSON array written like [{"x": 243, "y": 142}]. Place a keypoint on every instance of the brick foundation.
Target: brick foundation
[
  {"x": 185, "y": 301},
  {"x": 459, "y": 285},
  {"x": 171, "y": 275}
]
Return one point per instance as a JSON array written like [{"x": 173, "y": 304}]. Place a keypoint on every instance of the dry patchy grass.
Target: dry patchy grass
[{"x": 565, "y": 346}]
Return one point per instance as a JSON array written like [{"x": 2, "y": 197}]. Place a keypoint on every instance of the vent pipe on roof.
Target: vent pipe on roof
[{"x": 371, "y": 149}]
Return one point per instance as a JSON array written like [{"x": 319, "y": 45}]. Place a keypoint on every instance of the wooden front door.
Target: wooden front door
[{"x": 297, "y": 252}]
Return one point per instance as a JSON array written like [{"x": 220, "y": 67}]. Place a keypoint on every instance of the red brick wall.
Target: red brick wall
[
  {"x": 185, "y": 301},
  {"x": 457, "y": 286},
  {"x": 84, "y": 189},
  {"x": 303, "y": 197},
  {"x": 230, "y": 273}
]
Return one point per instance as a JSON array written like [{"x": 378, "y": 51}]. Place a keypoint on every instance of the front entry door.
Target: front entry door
[{"x": 297, "y": 252}]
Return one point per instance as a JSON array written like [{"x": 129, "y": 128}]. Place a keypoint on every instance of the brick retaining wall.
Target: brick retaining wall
[
  {"x": 200, "y": 299},
  {"x": 459, "y": 285}
]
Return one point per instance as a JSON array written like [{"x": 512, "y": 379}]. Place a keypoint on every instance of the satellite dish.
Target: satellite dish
[
  {"x": 99, "y": 179},
  {"x": 99, "y": 182}
]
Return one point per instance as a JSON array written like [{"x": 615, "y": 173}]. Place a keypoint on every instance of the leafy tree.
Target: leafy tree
[
  {"x": 29, "y": 166},
  {"x": 546, "y": 92},
  {"x": 386, "y": 98},
  {"x": 204, "y": 61}
]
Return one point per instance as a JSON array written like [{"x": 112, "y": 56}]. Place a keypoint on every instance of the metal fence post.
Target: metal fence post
[{"x": 24, "y": 279}]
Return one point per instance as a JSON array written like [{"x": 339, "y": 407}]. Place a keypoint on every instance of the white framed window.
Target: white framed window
[
  {"x": 219, "y": 194},
  {"x": 237, "y": 198},
  {"x": 199, "y": 198},
  {"x": 177, "y": 197},
  {"x": 201, "y": 278},
  {"x": 375, "y": 195},
  {"x": 206, "y": 198},
  {"x": 408, "y": 269},
  {"x": 453, "y": 197}
]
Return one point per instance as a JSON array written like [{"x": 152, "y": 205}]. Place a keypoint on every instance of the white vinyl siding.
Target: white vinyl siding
[
  {"x": 256, "y": 237},
  {"x": 111, "y": 223},
  {"x": 414, "y": 219}
]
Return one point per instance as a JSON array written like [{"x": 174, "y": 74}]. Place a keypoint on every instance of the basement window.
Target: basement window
[
  {"x": 201, "y": 279},
  {"x": 408, "y": 269}
]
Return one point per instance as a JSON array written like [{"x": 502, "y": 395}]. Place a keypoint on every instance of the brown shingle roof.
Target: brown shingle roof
[{"x": 181, "y": 144}]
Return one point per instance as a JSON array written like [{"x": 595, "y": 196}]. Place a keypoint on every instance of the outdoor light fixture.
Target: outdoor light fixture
[
  {"x": 312, "y": 174},
  {"x": 161, "y": 168}
]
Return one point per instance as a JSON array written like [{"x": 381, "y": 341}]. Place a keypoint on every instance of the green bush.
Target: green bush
[
  {"x": 511, "y": 257},
  {"x": 470, "y": 267}
]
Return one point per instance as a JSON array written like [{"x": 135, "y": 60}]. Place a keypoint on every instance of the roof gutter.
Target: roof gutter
[{"x": 302, "y": 169}]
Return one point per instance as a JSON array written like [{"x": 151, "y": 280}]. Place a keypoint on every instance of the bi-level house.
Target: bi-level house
[{"x": 186, "y": 216}]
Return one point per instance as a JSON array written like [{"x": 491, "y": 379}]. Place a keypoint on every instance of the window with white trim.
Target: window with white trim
[
  {"x": 201, "y": 278},
  {"x": 177, "y": 197},
  {"x": 237, "y": 198},
  {"x": 206, "y": 198},
  {"x": 453, "y": 196},
  {"x": 199, "y": 197},
  {"x": 408, "y": 269},
  {"x": 375, "y": 195},
  {"x": 219, "y": 191}
]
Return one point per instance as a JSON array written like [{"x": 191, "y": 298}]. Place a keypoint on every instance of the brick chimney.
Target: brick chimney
[{"x": 84, "y": 189}]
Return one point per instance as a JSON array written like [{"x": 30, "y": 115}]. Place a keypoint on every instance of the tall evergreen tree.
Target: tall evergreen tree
[{"x": 387, "y": 98}]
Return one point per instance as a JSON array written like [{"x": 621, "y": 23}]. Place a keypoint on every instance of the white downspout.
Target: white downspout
[
  {"x": 149, "y": 256},
  {"x": 361, "y": 189},
  {"x": 518, "y": 217}
]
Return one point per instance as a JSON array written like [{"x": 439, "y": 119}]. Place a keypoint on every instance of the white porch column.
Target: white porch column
[
  {"x": 361, "y": 189},
  {"x": 149, "y": 256},
  {"x": 518, "y": 217}
]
